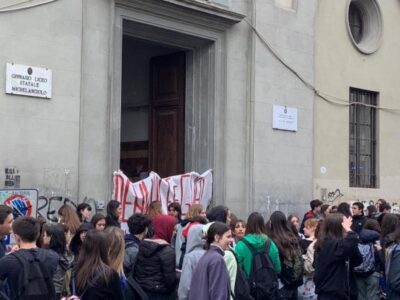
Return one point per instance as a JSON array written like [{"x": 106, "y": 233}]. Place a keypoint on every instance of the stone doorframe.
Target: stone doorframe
[{"x": 199, "y": 29}]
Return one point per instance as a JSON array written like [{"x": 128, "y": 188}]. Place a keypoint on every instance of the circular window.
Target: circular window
[{"x": 364, "y": 25}]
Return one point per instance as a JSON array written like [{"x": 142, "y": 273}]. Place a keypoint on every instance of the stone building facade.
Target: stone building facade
[
  {"x": 238, "y": 63},
  {"x": 357, "y": 60}
]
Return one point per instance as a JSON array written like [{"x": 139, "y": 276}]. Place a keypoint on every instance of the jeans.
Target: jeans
[{"x": 368, "y": 287}]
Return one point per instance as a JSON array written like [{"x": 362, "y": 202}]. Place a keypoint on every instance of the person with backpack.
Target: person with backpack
[
  {"x": 54, "y": 239},
  {"x": 93, "y": 278},
  {"x": 29, "y": 270},
  {"x": 368, "y": 274},
  {"x": 335, "y": 250},
  {"x": 258, "y": 256},
  {"x": 138, "y": 225},
  {"x": 194, "y": 251},
  {"x": 290, "y": 255},
  {"x": 211, "y": 280}
]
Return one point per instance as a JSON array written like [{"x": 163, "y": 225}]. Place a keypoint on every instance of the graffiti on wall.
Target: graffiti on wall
[
  {"x": 332, "y": 196},
  {"x": 48, "y": 207}
]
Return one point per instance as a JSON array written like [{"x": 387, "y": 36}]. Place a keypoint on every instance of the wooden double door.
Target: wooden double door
[{"x": 167, "y": 114}]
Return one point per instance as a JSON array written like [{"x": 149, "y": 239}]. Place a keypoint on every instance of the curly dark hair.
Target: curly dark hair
[{"x": 137, "y": 223}]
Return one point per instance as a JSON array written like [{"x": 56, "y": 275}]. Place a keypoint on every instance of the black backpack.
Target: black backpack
[
  {"x": 241, "y": 289},
  {"x": 35, "y": 283},
  {"x": 263, "y": 280}
]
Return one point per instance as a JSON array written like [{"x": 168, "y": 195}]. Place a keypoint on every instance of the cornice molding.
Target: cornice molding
[{"x": 189, "y": 11}]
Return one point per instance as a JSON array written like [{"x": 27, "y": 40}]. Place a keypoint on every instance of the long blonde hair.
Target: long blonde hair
[{"x": 117, "y": 249}]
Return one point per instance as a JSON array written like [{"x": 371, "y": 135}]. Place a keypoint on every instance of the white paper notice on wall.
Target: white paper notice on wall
[
  {"x": 284, "y": 118},
  {"x": 28, "y": 81}
]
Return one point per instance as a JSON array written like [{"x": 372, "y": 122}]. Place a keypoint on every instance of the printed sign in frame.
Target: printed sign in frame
[
  {"x": 28, "y": 81},
  {"x": 284, "y": 118},
  {"x": 22, "y": 201}
]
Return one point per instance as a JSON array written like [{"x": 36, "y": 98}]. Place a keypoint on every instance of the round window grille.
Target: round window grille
[{"x": 364, "y": 25}]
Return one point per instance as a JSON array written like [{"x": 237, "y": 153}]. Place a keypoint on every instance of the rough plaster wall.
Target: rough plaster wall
[
  {"x": 237, "y": 161},
  {"x": 340, "y": 66},
  {"x": 40, "y": 137},
  {"x": 283, "y": 160},
  {"x": 94, "y": 162},
  {"x": 267, "y": 169}
]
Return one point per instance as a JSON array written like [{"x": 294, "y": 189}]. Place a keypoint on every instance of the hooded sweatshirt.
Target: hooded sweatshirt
[
  {"x": 163, "y": 227},
  {"x": 154, "y": 269},
  {"x": 194, "y": 251},
  {"x": 245, "y": 256},
  {"x": 230, "y": 262},
  {"x": 76, "y": 242},
  {"x": 212, "y": 279}
]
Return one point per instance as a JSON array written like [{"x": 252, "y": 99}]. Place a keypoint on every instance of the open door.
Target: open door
[{"x": 167, "y": 121}]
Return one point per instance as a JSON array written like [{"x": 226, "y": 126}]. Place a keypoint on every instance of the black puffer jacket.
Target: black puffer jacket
[{"x": 155, "y": 267}]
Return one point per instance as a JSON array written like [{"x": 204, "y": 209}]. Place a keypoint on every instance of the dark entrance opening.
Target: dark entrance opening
[{"x": 152, "y": 109}]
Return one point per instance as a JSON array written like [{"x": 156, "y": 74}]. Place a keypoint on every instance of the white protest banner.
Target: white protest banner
[{"x": 186, "y": 189}]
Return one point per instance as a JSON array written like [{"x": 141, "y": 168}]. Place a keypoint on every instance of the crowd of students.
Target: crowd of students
[{"x": 335, "y": 252}]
